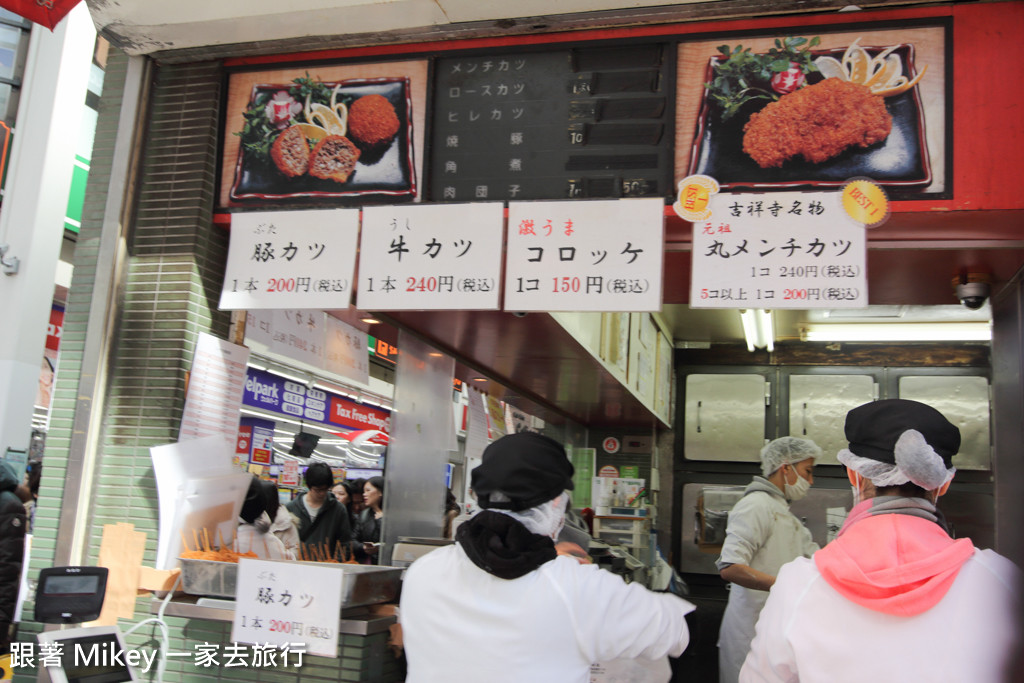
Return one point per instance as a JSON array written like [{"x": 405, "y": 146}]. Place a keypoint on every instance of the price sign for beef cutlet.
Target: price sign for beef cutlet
[
  {"x": 291, "y": 259},
  {"x": 430, "y": 257},
  {"x": 779, "y": 250}
]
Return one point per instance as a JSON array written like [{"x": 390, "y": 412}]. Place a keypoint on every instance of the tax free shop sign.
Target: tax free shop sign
[{"x": 278, "y": 395}]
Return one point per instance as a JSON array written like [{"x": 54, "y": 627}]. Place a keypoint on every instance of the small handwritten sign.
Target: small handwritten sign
[
  {"x": 584, "y": 255},
  {"x": 284, "y": 603},
  {"x": 780, "y": 250},
  {"x": 291, "y": 259},
  {"x": 430, "y": 257}
]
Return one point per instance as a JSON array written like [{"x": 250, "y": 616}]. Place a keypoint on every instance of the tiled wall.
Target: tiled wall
[{"x": 172, "y": 283}]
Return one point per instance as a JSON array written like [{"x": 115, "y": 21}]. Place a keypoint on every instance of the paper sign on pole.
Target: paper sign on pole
[
  {"x": 779, "y": 250},
  {"x": 288, "y": 603},
  {"x": 291, "y": 259},
  {"x": 430, "y": 257},
  {"x": 585, "y": 256},
  {"x": 215, "y": 389}
]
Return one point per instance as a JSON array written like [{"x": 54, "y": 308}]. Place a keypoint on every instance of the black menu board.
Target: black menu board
[{"x": 574, "y": 123}]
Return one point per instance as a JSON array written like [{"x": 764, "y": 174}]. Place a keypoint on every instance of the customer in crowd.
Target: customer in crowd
[
  {"x": 355, "y": 496},
  {"x": 893, "y": 597},
  {"x": 368, "y": 523},
  {"x": 761, "y": 536},
  {"x": 500, "y": 605},
  {"x": 324, "y": 529},
  {"x": 451, "y": 511},
  {"x": 13, "y": 524},
  {"x": 253, "y": 534},
  {"x": 282, "y": 524},
  {"x": 340, "y": 493}
]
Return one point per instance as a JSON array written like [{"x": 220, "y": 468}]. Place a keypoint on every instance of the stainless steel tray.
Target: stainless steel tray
[{"x": 362, "y": 584}]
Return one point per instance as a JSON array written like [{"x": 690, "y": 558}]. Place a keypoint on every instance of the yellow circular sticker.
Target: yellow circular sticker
[
  {"x": 695, "y": 194},
  {"x": 865, "y": 202}
]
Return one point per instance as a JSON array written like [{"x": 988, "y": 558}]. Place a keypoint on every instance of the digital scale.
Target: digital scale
[{"x": 92, "y": 654}]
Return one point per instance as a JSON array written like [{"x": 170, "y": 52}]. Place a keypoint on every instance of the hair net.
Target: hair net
[
  {"x": 785, "y": 451},
  {"x": 916, "y": 463},
  {"x": 545, "y": 519}
]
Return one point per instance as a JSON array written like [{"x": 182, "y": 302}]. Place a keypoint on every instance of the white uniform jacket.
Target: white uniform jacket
[
  {"x": 463, "y": 625},
  {"x": 893, "y": 598},
  {"x": 762, "y": 533},
  {"x": 809, "y": 632}
]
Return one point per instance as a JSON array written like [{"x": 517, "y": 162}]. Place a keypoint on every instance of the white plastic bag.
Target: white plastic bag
[{"x": 631, "y": 671}]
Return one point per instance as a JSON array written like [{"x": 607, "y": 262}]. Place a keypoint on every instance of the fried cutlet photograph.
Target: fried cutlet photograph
[{"x": 817, "y": 123}]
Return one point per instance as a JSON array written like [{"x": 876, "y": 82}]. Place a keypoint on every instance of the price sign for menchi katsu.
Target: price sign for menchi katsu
[
  {"x": 569, "y": 124},
  {"x": 779, "y": 250},
  {"x": 584, "y": 256}
]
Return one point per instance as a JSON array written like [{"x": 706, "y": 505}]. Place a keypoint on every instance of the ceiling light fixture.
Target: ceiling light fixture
[
  {"x": 893, "y": 332},
  {"x": 370, "y": 320},
  {"x": 758, "y": 329}
]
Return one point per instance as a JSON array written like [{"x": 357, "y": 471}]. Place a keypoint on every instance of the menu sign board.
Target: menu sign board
[{"x": 575, "y": 123}]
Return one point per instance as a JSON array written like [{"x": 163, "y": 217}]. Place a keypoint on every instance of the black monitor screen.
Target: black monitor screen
[
  {"x": 90, "y": 659},
  {"x": 71, "y": 584}
]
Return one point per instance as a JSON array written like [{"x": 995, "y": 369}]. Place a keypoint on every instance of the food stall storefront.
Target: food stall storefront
[{"x": 223, "y": 172}]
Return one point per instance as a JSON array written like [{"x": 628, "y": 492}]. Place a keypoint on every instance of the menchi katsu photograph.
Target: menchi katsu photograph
[
  {"x": 813, "y": 109},
  {"x": 324, "y": 132}
]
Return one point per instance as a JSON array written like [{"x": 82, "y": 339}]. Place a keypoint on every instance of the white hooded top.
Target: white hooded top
[{"x": 463, "y": 625}]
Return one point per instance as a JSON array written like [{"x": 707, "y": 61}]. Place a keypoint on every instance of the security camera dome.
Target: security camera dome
[{"x": 973, "y": 294}]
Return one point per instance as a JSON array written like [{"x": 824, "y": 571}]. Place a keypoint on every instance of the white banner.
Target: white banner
[
  {"x": 430, "y": 257},
  {"x": 585, "y": 255},
  {"x": 291, "y": 259},
  {"x": 346, "y": 352},
  {"x": 779, "y": 250}
]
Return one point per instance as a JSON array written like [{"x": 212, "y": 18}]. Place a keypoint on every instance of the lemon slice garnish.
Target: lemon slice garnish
[
  {"x": 830, "y": 67},
  {"x": 900, "y": 85},
  {"x": 312, "y": 131}
]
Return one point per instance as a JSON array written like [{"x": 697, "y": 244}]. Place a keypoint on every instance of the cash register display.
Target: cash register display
[{"x": 71, "y": 584}]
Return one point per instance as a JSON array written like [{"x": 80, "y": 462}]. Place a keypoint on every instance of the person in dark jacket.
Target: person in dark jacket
[
  {"x": 367, "y": 527},
  {"x": 13, "y": 522},
  {"x": 324, "y": 528}
]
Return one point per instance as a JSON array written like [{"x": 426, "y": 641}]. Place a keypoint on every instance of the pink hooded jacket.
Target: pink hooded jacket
[{"x": 897, "y": 564}]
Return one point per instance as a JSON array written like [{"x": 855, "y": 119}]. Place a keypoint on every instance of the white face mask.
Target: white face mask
[
  {"x": 856, "y": 489},
  {"x": 797, "y": 490}
]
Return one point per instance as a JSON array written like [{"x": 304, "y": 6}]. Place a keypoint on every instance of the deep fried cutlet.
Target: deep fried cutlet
[{"x": 817, "y": 122}]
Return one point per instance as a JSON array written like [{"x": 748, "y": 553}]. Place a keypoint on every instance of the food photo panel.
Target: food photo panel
[
  {"x": 322, "y": 133},
  {"x": 810, "y": 108}
]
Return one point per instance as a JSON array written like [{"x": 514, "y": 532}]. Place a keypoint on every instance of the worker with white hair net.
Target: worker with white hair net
[
  {"x": 501, "y": 605},
  {"x": 761, "y": 536},
  {"x": 893, "y": 597}
]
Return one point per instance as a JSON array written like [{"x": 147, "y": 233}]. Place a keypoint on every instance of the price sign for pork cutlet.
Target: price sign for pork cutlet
[
  {"x": 430, "y": 257},
  {"x": 584, "y": 256},
  {"x": 779, "y": 250},
  {"x": 288, "y": 603},
  {"x": 291, "y": 259}
]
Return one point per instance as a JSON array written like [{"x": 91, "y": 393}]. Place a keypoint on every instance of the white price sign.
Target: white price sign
[
  {"x": 585, "y": 255},
  {"x": 430, "y": 257},
  {"x": 291, "y": 259},
  {"x": 288, "y": 603},
  {"x": 778, "y": 250}
]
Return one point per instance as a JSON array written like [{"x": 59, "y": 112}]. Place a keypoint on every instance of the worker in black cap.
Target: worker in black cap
[
  {"x": 893, "y": 597},
  {"x": 501, "y": 605}
]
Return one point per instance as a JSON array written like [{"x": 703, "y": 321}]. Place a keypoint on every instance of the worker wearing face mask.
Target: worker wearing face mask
[
  {"x": 761, "y": 536},
  {"x": 893, "y": 597}
]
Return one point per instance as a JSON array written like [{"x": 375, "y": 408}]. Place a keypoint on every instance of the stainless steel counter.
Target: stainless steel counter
[{"x": 358, "y": 621}]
